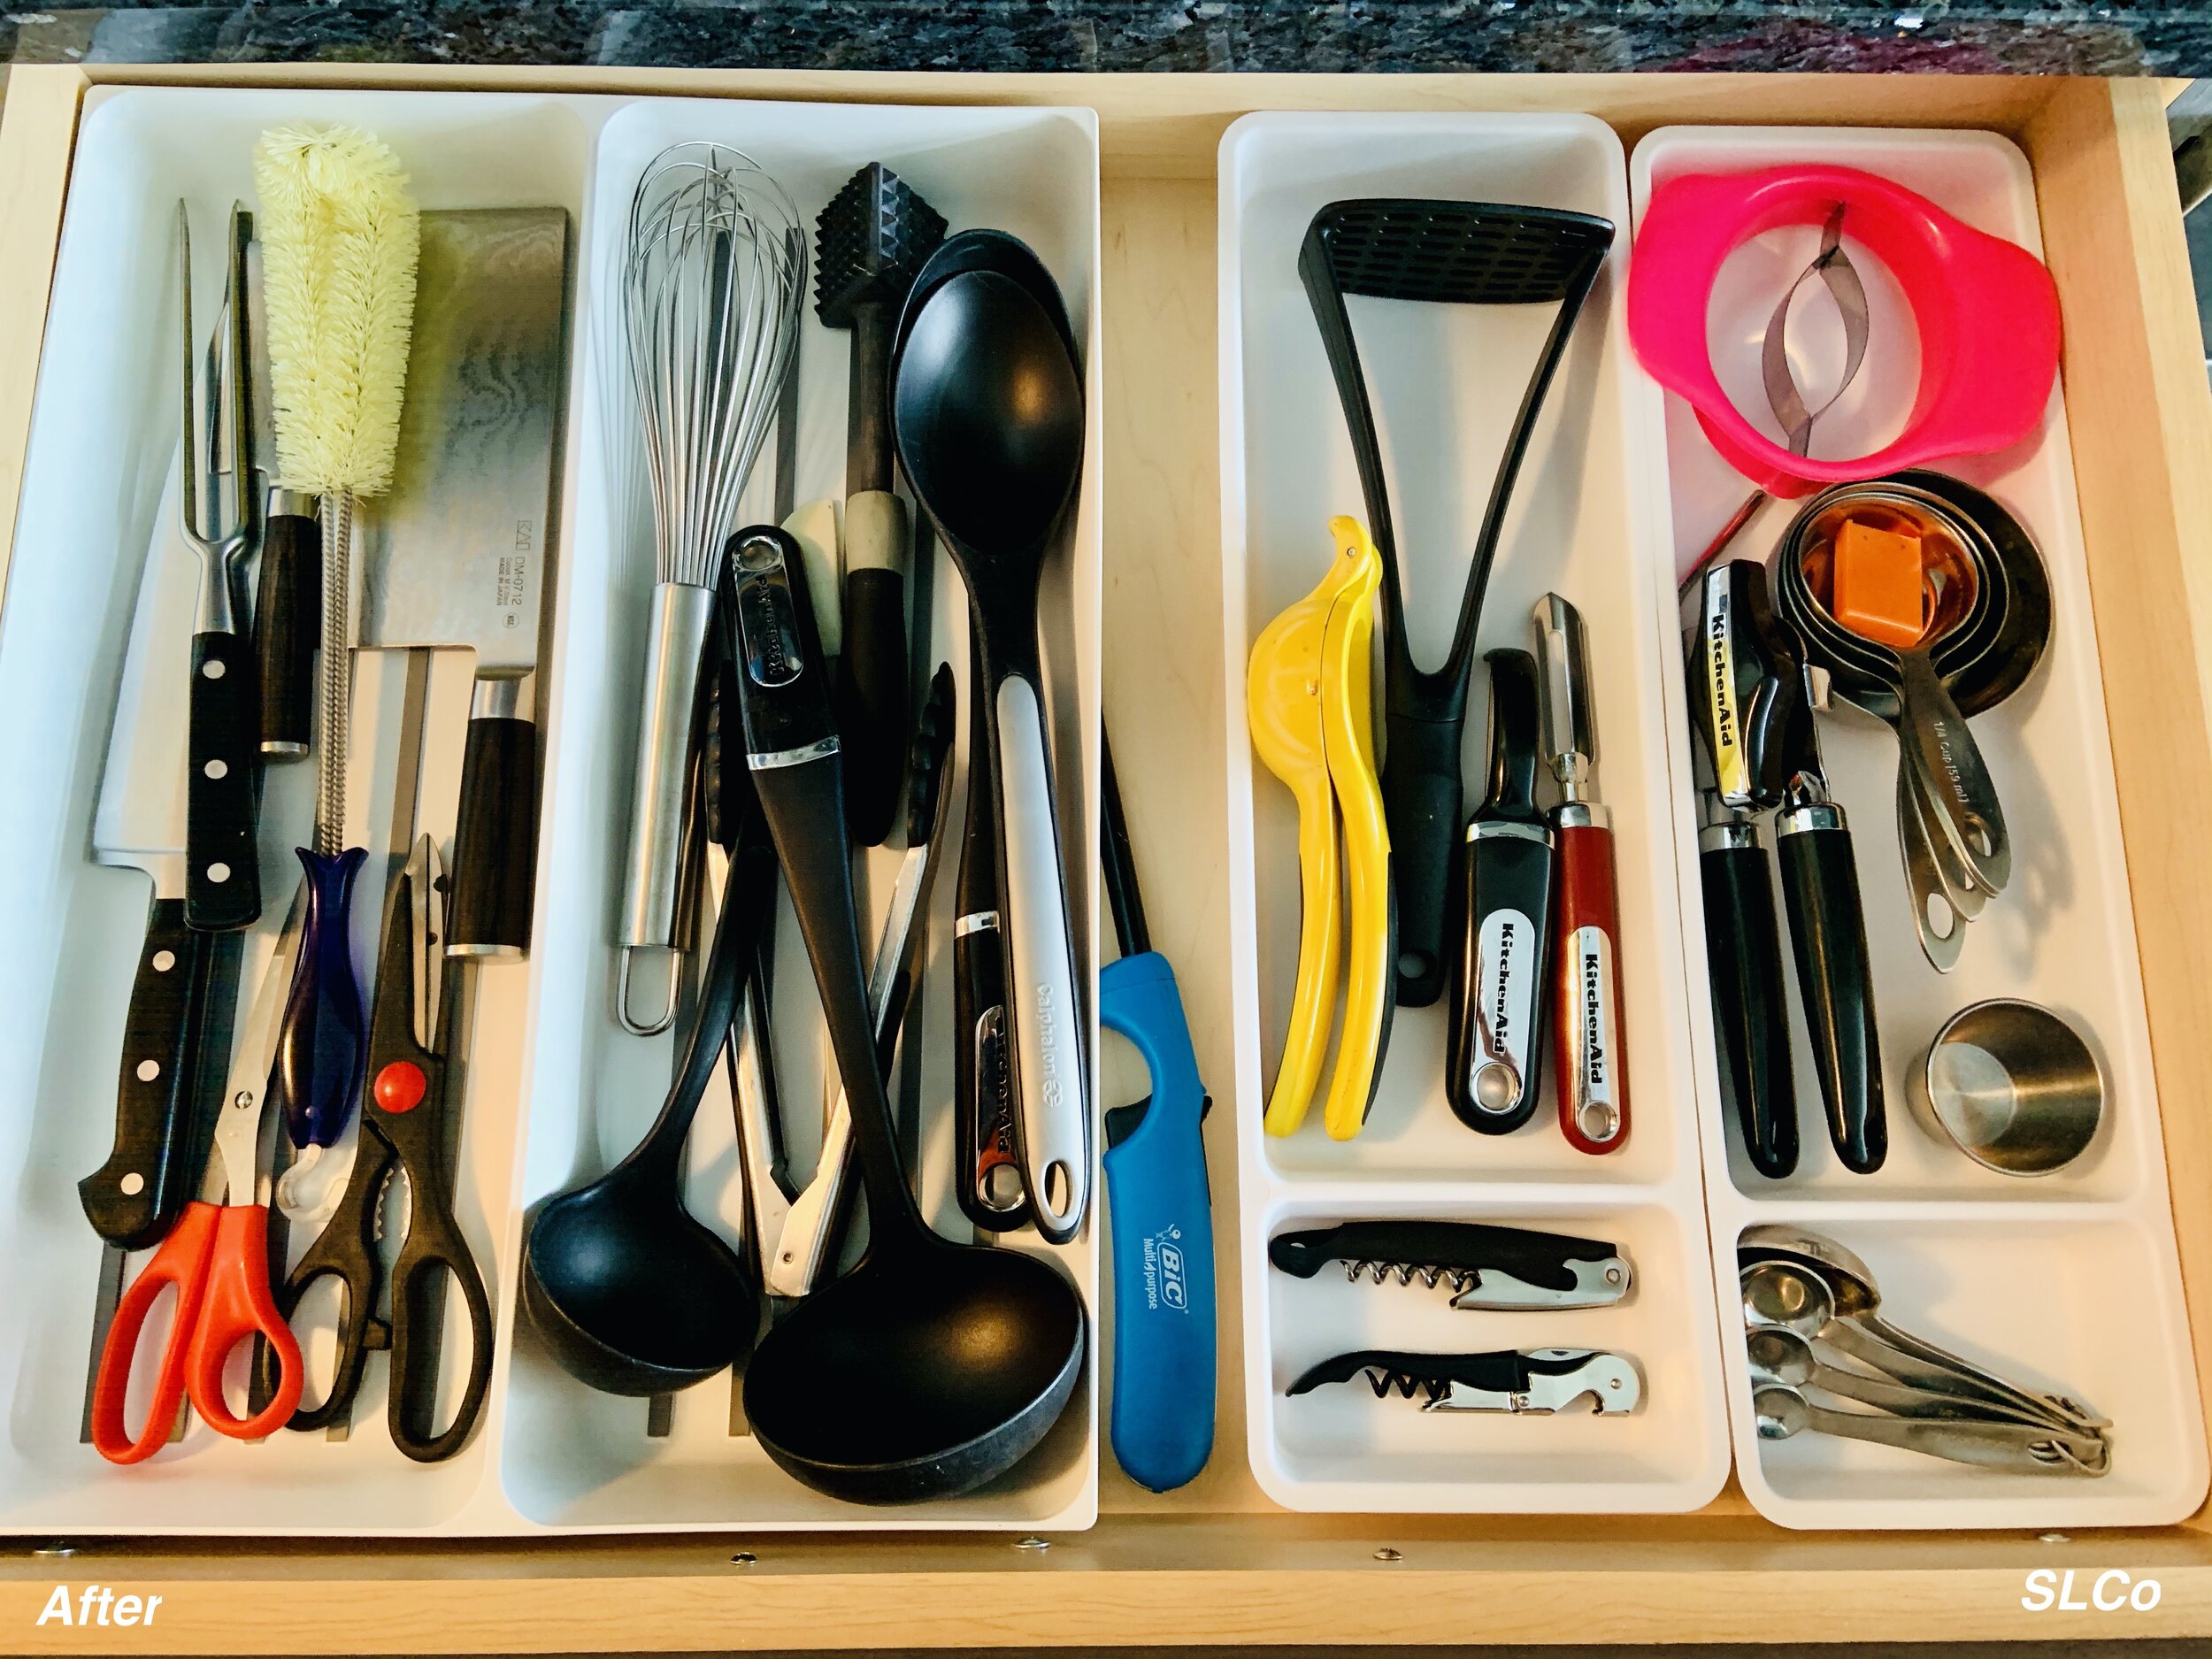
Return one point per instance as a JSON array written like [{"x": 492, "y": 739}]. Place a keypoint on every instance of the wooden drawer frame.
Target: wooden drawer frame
[{"x": 1215, "y": 1564}]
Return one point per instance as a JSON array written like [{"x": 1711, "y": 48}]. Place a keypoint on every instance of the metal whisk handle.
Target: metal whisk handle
[{"x": 674, "y": 647}]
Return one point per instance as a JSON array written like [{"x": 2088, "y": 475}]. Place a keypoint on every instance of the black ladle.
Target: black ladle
[
  {"x": 628, "y": 1292},
  {"x": 931, "y": 1367},
  {"x": 989, "y": 414}
]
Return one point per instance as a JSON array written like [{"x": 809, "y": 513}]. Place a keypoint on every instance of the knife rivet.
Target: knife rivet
[
  {"x": 164, "y": 960},
  {"x": 219, "y": 873},
  {"x": 148, "y": 1070},
  {"x": 213, "y": 668},
  {"x": 1388, "y": 1554},
  {"x": 133, "y": 1184},
  {"x": 216, "y": 769}
]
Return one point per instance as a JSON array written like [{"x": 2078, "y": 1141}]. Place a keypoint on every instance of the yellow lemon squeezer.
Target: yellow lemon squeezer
[{"x": 1309, "y": 698}]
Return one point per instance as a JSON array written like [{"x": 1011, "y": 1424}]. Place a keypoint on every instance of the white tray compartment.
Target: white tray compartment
[
  {"x": 572, "y": 1458},
  {"x": 104, "y": 438},
  {"x": 1584, "y": 521},
  {"x": 1332, "y": 1447},
  {"x": 2062, "y": 934}
]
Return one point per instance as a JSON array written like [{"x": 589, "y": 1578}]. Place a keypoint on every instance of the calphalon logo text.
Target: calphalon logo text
[{"x": 1047, "y": 1016}]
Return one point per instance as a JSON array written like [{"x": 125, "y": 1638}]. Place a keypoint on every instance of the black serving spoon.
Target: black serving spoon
[
  {"x": 931, "y": 1367},
  {"x": 987, "y": 412},
  {"x": 629, "y": 1293}
]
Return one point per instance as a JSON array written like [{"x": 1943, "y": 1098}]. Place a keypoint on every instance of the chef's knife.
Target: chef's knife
[
  {"x": 456, "y": 554},
  {"x": 1820, "y": 893},
  {"x": 1588, "y": 1017},
  {"x": 1493, "y": 1042},
  {"x": 288, "y": 596},
  {"x": 1734, "y": 704},
  {"x": 139, "y": 823}
]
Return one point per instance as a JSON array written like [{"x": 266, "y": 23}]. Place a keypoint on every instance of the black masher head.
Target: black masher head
[{"x": 869, "y": 243}]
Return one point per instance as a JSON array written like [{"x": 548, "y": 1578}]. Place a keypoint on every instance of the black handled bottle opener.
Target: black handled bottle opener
[
  {"x": 1484, "y": 1266},
  {"x": 1539, "y": 1380},
  {"x": 1493, "y": 1042}
]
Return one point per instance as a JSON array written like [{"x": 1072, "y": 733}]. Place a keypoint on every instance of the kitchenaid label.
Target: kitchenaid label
[
  {"x": 1731, "y": 772},
  {"x": 1164, "y": 1285},
  {"x": 97, "y": 1604},
  {"x": 1593, "y": 960},
  {"x": 1505, "y": 978},
  {"x": 2050, "y": 1589}
]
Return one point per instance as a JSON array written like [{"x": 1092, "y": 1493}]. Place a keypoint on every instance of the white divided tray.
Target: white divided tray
[
  {"x": 554, "y": 1090},
  {"x": 1585, "y": 522},
  {"x": 571, "y": 1457},
  {"x": 2069, "y": 1281}
]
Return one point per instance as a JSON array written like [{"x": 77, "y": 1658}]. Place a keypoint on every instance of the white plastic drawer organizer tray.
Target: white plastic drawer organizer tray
[
  {"x": 1957, "y": 1302},
  {"x": 708, "y": 531}
]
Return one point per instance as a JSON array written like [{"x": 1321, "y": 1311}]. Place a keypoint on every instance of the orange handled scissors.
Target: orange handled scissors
[{"x": 217, "y": 1256}]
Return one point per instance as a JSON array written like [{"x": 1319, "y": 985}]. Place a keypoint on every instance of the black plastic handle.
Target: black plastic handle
[
  {"x": 134, "y": 1198},
  {"x": 805, "y": 810},
  {"x": 1820, "y": 888},
  {"x": 435, "y": 1256},
  {"x": 495, "y": 842},
  {"x": 348, "y": 1250},
  {"x": 872, "y": 699},
  {"x": 1502, "y": 896},
  {"x": 287, "y": 622},
  {"x": 1423, "y": 800},
  {"x": 222, "y": 876},
  {"x": 1743, "y": 950}
]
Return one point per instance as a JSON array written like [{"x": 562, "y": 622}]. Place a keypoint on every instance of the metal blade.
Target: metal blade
[
  {"x": 139, "y": 820},
  {"x": 1568, "y": 734},
  {"x": 238, "y": 1132},
  {"x": 456, "y": 554}
]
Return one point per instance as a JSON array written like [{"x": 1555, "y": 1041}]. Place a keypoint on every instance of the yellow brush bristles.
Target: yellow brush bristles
[{"x": 339, "y": 239}]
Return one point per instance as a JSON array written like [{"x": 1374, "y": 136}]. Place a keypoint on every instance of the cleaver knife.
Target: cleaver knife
[
  {"x": 185, "y": 979},
  {"x": 455, "y": 554}
]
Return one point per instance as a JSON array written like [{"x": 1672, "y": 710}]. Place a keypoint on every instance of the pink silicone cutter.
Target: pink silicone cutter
[{"x": 1985, "y": 308}]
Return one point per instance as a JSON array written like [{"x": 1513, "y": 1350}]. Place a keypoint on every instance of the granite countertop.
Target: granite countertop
[{"x": 2173, "y": 37}]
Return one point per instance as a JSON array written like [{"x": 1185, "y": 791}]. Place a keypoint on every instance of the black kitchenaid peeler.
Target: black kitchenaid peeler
[{"x": 1457, "y": 253}]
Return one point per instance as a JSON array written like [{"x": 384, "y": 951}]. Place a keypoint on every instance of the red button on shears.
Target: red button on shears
[{"x": 401, "y": 1086}]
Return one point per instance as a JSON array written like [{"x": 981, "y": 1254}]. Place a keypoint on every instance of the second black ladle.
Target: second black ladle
[
  {"x": 931, "y": 1367},
  {"x": 630, "y": 1293}
]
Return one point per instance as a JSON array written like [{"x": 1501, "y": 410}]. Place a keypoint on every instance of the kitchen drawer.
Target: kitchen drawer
[{"x": 1215, "y": 1562}]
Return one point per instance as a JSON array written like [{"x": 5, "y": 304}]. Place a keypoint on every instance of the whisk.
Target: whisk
[{"x": 713, "y": 281}]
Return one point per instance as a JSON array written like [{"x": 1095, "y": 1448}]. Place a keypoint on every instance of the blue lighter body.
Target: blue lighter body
[{"x": 1162, "y": 1219}]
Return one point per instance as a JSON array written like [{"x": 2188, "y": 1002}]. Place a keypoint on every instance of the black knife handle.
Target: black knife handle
[
  {"x": 288, "y": 620},
  {"x": 872, "y": 699},
  {"x": 1423, "y": 800},
  {"x": 1820, "y": 888},
  {"x": 1499, "y": 970},
  {"x": 134, "y": 1198},
  {"x": 494, "y": 840},
  {"x": 222, "y": 876},
  {"x": 1743, "y": 952}
]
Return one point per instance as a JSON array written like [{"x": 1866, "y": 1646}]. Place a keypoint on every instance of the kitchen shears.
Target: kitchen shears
[
  {"x": 405, "y": 1114},
  {"x": 1309, "y": 702},
  {"x": 216, "y": 1257}
]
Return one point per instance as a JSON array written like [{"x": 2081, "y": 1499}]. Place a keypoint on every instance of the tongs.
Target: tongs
[{"x": 1310, "y": 707}]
